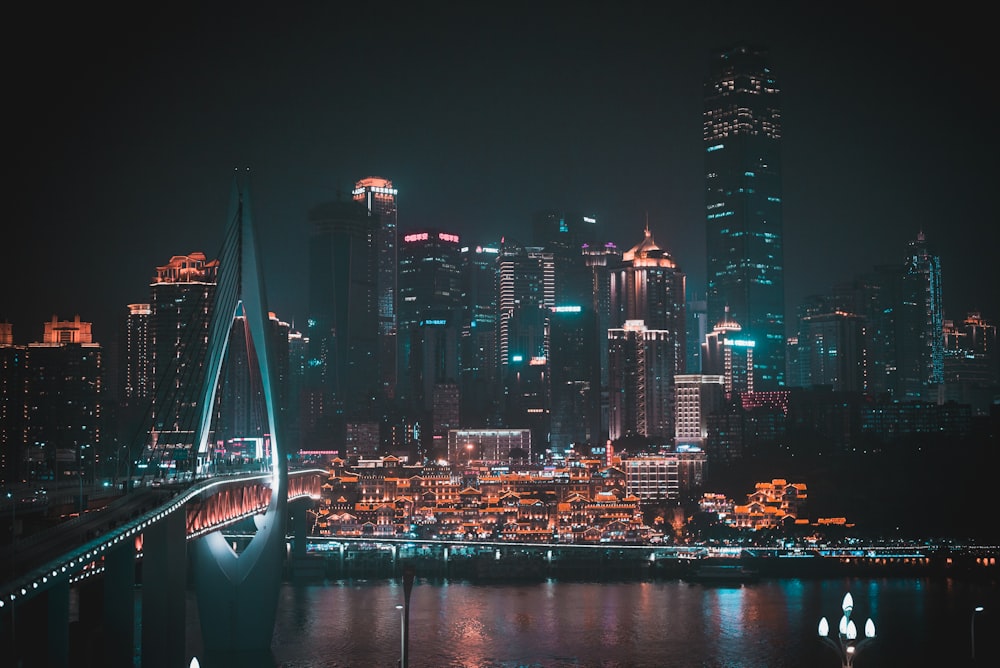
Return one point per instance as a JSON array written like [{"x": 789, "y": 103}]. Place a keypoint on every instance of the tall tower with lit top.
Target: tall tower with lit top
[
  {"x": 379, "y": 198},
  {"x": 743, "y": 209}
]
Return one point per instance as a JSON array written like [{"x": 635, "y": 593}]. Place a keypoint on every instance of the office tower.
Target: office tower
[
  {"x": 480, "y": 387},
  {"x": 832, "y": 351},
  {"x": 875, "y": 296},
  {"x": 641, "y": 382},
  {"x": 137, "y": 372},
  {"x": 743, "y": 211},
  {"x": 343, "y": 321},
  {"x": 971, "y": 362},
  {"x": 527, "y": 291},
  {"x": 298, "y": 359},
  {"x": 700, "y": 397},
  {"x": 920, "y": 324},
  {"x": 697, "y": 328},
  {"x": 648, "y": 287},
  {"x": 135, "y": 377},
  {"x": 574, "y": 413},
  {"x": 430, "y": 320},
  {"x": 379, "y": 198},
  {"x": 181, "y": 299},
  {"x": 12, "y": 361},
  {"x": 603, "y": 260},
  {"x": 63, "y": 390},
  {"x": 565, "y": 235},
  {"x": 727, "y": 353}
]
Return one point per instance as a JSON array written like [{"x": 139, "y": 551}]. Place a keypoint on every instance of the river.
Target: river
[{"x": 659, "y": 624}]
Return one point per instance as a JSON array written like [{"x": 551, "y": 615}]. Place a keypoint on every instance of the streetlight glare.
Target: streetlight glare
[{"x": 846, "y": 643}]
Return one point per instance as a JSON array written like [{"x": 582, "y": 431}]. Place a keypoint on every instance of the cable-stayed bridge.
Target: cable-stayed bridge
[{"x": 167, "y": 537}]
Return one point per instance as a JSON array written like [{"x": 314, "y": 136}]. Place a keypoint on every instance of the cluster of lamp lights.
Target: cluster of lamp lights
[{"x": 847, "y": 645}]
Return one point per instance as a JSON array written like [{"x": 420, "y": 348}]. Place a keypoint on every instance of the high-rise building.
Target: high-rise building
[
  {"x": 574, "y": 379},
  {"x": 181, "y": 300},
  {"x": 971, "y": 362},
  {"x": 379, "y": 198},
  {"x": 743, "y": 203},
  {"x": 527, "y": 292},
  {"x": 728, "y": 353},
  {"x": 12, "y": 370},
  {"x": 603, "y": 260},
  {"x": 480, "y": 397},
  {"x": 699, "y": 398},
  {"x": 63, "y": 422},
  {"x": 641, "y": 379},
  {"x": 430, "y": 321},
  {"x": 343, "y": 321},
  {"x": 831, "y": 351},
  {"x": 565, "y": 235},
  {"x": 920, "y": 324}
]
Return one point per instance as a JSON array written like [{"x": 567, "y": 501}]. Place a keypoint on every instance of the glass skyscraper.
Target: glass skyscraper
[
  {"x": 742, "y": 135},
  {"x": 379, "y": 197}
]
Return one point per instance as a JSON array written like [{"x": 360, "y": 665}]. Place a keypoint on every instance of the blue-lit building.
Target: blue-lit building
[
  {"x": 920, "y": 324},
  {"x": 743, "y": 204}
]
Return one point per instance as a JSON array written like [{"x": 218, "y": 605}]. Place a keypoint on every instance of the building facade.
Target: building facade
[{"x": 743, "y": 203}]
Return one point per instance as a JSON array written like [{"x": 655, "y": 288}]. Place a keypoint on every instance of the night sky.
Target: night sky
[{"x": 126, "y": 126}]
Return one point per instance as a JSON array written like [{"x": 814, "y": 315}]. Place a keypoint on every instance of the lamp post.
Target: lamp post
[
  {"x": 402, "y": 635},
  {"x": 972, "y": 631},
  {"x": 846, "y": 643},
  {"x": 408, "y": 574}
]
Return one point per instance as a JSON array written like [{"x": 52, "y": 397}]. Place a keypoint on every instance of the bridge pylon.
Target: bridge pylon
[{"x": 238, "y": 593}]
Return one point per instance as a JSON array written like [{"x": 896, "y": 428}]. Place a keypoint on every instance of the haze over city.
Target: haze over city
[{"x": 126, "y": 141}]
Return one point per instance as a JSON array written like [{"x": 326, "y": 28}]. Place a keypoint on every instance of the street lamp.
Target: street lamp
[
  {"x": 972, "y": 632},
  {"x": 846, "y": 644},
  {"x": 402, "y": 635}
]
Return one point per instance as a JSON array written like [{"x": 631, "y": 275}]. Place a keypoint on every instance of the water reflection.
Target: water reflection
[{"x": 770, "y": 623}]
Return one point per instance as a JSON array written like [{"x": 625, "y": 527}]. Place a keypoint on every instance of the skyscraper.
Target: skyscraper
[
  {"x": 379, "y": 198},
  {"x": 641, "y": 378},
  {"x": 431, "y": 318},
  {"x": 921, "y": 324},
  {"x": 343, "y": 320},
  {"x": 742, "y": 139},
  {"x": 181, "y": 298},
  {"x": 63, "y": 423}
]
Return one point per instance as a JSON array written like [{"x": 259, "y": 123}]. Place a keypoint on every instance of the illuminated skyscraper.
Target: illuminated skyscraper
[
  {"x": 743, "y": 210},
  {"x": 649, "y": 287},
  {"x": 920, "y": 324},
  {"x": 431, "y": 318},
  {"x": 641, "y": 377},
  {"x": 727, "y": 353},
  {"x": 480, "y": 362},
  {"x": 181, "y": 299},
  {"x": 379, "y": 198}
]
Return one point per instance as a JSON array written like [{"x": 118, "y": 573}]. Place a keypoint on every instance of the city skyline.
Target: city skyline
[{"x": 480, "y": 120}]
